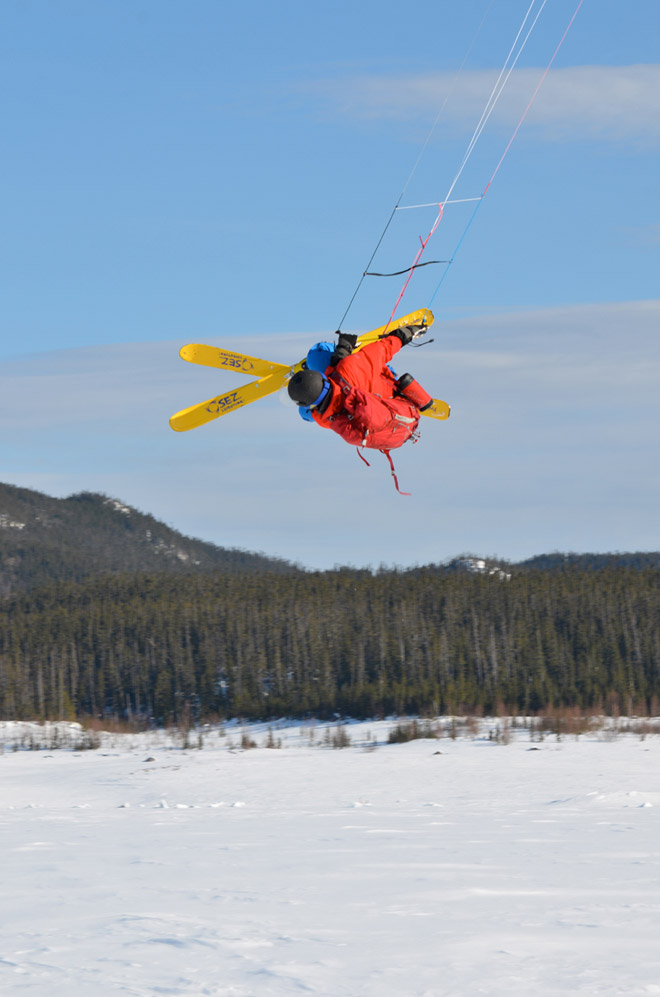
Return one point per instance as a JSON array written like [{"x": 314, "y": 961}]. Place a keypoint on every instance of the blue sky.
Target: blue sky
[{"x": 205, "y": 172}]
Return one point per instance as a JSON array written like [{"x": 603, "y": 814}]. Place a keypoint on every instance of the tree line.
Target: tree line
[{"x": 354, "y": 643}]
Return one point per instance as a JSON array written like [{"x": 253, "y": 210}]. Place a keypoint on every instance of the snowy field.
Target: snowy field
[{"x": 443, "y": 868}]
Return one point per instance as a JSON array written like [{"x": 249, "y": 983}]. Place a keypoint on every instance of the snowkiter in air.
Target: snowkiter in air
[{"x": 357, "y": 395}]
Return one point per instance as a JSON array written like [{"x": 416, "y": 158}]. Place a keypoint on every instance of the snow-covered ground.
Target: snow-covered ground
[{"x": 436, "y": 867}]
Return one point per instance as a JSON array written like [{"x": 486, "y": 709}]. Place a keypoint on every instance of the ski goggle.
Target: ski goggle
[{"x": 324, "y": 391}]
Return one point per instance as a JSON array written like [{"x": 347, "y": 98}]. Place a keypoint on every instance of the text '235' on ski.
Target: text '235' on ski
[{"x": 270, "y": 376}]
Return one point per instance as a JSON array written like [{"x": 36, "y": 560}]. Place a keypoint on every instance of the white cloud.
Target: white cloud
[
  {"x": 598, "y": 102},
  {"x": 644, "y": 236},
  {"x": 552, "y": 443}
]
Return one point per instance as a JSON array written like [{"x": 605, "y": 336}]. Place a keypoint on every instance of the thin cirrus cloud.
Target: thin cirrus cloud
[
  {"x": 134, "y": 387},
  {"x": 644, "y": 236},
  {"x": 601, "y": 102},
  {"x": 552, "y": 443}
]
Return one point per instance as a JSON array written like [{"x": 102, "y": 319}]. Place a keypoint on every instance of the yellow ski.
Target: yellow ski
[
  {"x": 214, "y": 356},
  {"x": 199, "y": 415},
  {"x": 271, "y": 376},
  {"x": 439, "y": 410},
  {"x": 423, "y": 316}
]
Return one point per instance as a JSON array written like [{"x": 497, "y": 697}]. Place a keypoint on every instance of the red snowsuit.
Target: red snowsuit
[{"x": 363, "y": 409}]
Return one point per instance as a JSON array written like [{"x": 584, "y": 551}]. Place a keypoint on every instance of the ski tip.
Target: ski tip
[
  {"x": 439, "y": 410},
  {"x": 186, "y": 350},
  {"x": 186, "y": 419},
  {"x": 175, "y": 425}
]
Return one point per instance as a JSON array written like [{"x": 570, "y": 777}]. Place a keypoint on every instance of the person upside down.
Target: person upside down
[{"x": 357, "y": 395}]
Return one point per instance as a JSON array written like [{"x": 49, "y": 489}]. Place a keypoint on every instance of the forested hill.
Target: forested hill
[
  {"x": 341, "y": 642},
  {"x": 106, "y": 611},
  {"x": 594, "y": 562},
  {"x": 44, "y": 539}
]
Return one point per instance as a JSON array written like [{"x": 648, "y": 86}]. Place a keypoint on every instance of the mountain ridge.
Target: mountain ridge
[{"x": 44, "y": 539}]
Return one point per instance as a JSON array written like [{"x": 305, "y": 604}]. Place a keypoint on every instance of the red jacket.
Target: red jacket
[{"x": 363, "y": 409}]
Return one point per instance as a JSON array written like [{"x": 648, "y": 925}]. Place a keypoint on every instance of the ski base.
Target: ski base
[
  {"x": 270, "y": 376},
  {"x": 438, "y": 410},
  {"x": 214, "y": 356}
]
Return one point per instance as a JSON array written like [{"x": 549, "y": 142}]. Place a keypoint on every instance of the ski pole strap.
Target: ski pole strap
[{"x": 396, "y": 480}]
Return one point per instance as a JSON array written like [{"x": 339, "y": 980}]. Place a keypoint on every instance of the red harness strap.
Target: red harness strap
[
  {"x": 396, "y": 480},
  {"x": 389, "y": 457}
]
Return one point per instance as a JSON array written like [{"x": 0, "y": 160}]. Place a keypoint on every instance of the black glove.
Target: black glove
[
  {"x": 405, "y": 333},
  {"x": 344, "y": 348}
]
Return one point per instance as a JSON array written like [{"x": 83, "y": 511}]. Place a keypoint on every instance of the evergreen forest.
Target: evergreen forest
[{"x": 269, "y": 643}]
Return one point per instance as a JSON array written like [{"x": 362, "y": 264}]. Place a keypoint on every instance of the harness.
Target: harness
[{"x": 345, "y": 387}]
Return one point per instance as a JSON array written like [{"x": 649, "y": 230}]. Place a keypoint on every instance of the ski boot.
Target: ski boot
[{"x": 410, "y": 389}]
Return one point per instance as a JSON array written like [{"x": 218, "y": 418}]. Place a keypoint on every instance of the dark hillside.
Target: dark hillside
[
  {"x": 45, "y": 539},
  {"x": 107, "y": 611},
  {"x": 594, "y": 562}
]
